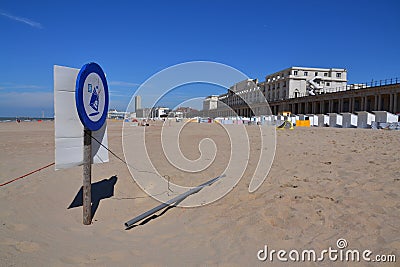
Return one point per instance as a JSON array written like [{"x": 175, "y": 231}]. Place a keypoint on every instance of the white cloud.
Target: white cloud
[
  {"x": 124, "y": 84},
  {"x": 119, "y": 95},
  {"x": 23, "y": 20},
  {"x": 19, "y": 86}
]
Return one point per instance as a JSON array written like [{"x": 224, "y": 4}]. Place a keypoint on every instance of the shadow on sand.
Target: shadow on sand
[{"x": 100, "y": 190}]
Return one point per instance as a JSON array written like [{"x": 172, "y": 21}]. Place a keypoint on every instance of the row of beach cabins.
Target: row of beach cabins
[{"x": 363, "y": 119}]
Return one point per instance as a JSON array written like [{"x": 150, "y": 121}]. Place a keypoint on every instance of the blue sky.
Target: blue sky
[{"x": 132, "y": 40}]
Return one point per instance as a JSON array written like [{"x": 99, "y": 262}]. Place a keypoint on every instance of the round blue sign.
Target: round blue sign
[{"x": 91, "y": 96}]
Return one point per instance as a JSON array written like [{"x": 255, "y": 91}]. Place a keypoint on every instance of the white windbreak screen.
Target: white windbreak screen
[{"x": 68, "y": 127}]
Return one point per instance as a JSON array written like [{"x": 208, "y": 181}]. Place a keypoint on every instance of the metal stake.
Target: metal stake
[{"x": 175, "y": 200}]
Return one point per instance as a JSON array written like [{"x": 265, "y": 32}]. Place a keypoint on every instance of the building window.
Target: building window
[
  {"x": 295, "y": 72},
  {"x": 325, "y": 74},
  {"x": 338, "y": 75},
  {"x": 328, "y": 84},
  {"x": 316, "y": 73},
  {"x": 306, "y": 73}
]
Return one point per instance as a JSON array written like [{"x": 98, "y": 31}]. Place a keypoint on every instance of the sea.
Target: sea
[{"x": 23, "y": 119}]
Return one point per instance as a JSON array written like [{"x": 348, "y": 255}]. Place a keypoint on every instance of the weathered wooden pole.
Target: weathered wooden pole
[
  {"x": 91, "y": 100},
  {"x": 87, "y": 177}
]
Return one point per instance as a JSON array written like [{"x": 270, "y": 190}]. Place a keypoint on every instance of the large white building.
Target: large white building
[
  {"x": 247, "y": 98},
  {"x": 159, "y": 112},
  {"x": 115, "y": 114},
  {"x": 210, "y": 102},
  {"x": 246, "y": 92},
  {"x": 302, "y": 81}
]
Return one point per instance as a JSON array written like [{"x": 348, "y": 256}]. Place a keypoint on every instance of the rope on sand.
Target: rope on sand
[
  {"x": 115, "y": 155},
  {"x": 23, "y": 176},
  {"x": 51, "y": 164}
]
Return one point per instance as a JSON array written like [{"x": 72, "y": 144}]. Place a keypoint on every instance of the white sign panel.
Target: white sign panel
[{"x": 68, "y": 127}]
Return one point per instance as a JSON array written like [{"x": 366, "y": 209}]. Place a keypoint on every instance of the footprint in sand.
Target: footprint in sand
[
  {"x": 289, "y": 185},
  {"x": 27, "y": 246},
  {"x": 321, "y": 216},
  {"x": 327, "y": 198},
  {"x": 17, "y": 227}
]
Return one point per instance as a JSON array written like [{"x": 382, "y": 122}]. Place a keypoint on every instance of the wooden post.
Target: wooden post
[{"x": 87, "y": 177}]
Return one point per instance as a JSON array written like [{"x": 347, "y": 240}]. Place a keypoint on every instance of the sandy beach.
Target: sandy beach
[{"x": 325, "y": 184}]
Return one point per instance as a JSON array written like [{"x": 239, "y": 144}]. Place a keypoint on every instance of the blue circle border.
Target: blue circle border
[{"x": 80, "y": 82}]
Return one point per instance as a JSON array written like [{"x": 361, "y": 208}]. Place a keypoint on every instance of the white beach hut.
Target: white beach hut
[
  {"x": 323, "y": 120},
  {"x": 313, "y": 119},
  {"x": 302, "y": 117},
  {"x": 365, "y": 119},
  {"x": 384, "y": 116},
  {"x": 293, "y": 118},
  {"x": 349, "y": 120},
  {"x": 335, "y": 120}
]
